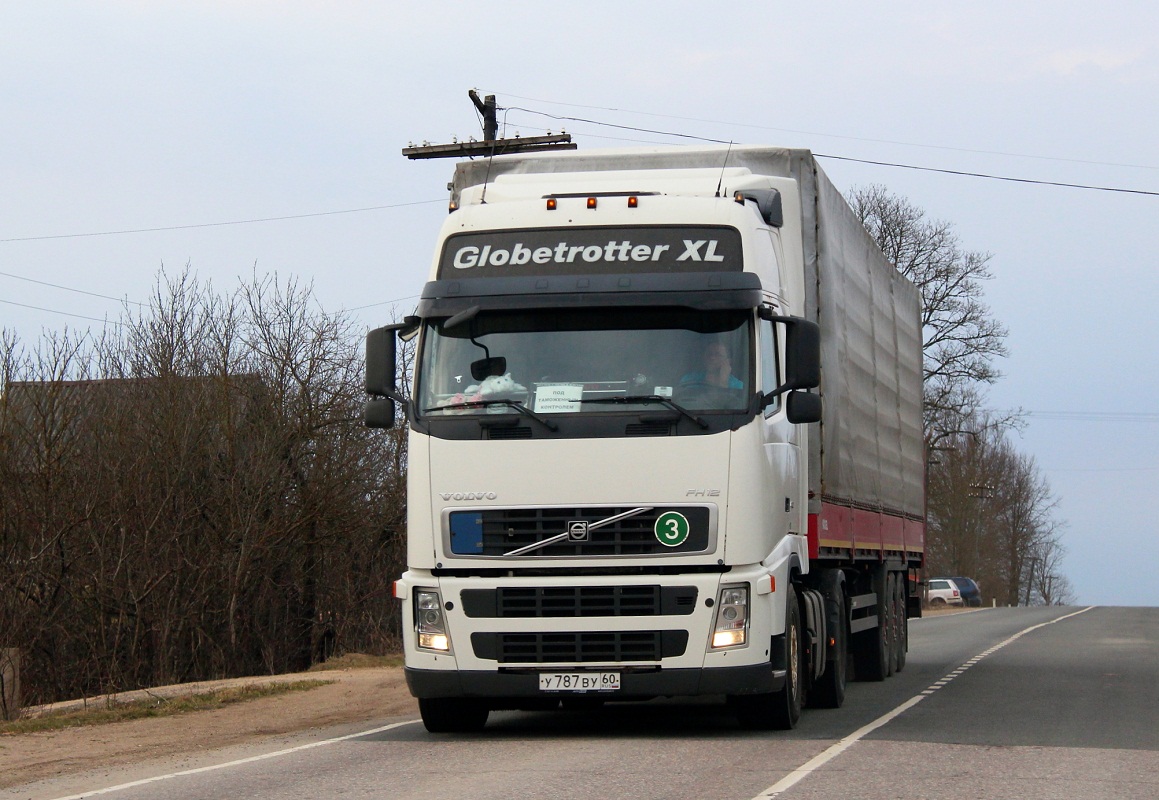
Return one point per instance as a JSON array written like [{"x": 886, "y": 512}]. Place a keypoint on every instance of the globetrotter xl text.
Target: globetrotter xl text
[
  {"x": 471, "y": 256},
  {"x": 526, "y": 252}
]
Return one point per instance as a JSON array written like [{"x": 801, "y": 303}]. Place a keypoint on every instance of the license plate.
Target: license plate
[{"x": 579, "y": 681}]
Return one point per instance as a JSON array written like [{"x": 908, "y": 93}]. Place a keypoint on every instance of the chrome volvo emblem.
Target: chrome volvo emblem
[{"x": 577, "y": 530}]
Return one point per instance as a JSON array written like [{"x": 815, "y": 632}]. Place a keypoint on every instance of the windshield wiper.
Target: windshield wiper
[
  {"x": 522, "y": 409},
  {"x": 647, "y": 398}
]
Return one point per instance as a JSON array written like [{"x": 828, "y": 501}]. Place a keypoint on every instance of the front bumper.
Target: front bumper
[{"x": 750, "y": 679}]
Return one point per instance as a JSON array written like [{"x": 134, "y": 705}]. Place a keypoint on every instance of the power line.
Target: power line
[
  {"x": 620, "y": 127},
  {"x": 69, "y": 289},
  {"x": 65, "y": 313},
  {"x": 840, "y": 136},
  {"x": 858, "y": 160},
  {"x": 1096, "y": 416},
  {"x": 218, "y": 224},
  {"x": 1101, "y": 469},
  {"x": 992, "y": 177},
  {"x": 383, "y": 303}
]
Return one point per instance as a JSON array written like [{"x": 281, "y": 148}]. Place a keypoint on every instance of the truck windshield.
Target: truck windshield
[{"x": 596, "y": 361}]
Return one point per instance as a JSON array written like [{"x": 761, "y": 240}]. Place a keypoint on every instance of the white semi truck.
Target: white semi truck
[{"x": 665, "y": 439}]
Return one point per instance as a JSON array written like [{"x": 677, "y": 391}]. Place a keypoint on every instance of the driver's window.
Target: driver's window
[{"x": 770, "y": 373}]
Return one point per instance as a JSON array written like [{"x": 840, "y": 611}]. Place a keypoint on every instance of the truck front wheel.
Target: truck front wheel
[
  {"x": 781, "y": 709},
  {"x": 453, "y": 714}
]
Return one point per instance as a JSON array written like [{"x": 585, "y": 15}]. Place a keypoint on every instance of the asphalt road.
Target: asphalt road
[{"x": 997, "y": 703}]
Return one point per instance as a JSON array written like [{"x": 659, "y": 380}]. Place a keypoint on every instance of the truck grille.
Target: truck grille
[
  {"x": 548, "y": 648},
  {"x": 495, "y": 532},
  {"x": 579, "y": 601}
]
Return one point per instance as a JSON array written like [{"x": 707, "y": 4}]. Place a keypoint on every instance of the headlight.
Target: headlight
[
  {"x": 732, "y": 617},
  {"x": 430, "y": 625}
]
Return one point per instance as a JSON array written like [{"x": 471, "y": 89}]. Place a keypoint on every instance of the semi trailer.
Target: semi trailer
[{"x": 664, "y": 439}]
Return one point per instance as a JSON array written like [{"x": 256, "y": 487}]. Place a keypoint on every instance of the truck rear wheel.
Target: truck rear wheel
[
  {"x": 901, "y": 640},
  {"x": 453, "y": 714},
  {"x": 872, "y": 647},
  {"x": 891, "y": 626},
  {"x": 781, "y": 709}
]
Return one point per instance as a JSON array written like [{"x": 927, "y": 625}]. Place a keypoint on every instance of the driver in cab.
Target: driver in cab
[{"x": 717, "y": 370}]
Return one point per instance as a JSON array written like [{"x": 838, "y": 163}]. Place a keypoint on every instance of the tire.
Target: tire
[
  {"x": 890, "y": 626},
  {"x": 902, "y": 638},
  {"x": 872, "y": 651},
  {"x": 453, "y": 714},
  {"x": 781, "y": 709},
  {"x": 829, "y": 690},
  {"x": 937, "y": 602}
]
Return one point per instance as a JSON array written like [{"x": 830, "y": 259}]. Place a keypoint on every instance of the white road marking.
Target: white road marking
[
  {"x": 824, "y": 757},
  {"x": 228, "y": 764}
]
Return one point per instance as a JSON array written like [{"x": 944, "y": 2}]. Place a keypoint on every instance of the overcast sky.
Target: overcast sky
[{"x": 184, "y": 122}]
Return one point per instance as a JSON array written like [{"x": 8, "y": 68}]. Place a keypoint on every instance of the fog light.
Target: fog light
[
  {"x": 434, "y": 641},
  {"x": 728, "y": 638}
]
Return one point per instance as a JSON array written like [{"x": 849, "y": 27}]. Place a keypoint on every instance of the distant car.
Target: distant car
[
  {"x": 943, "y": 592},
  {"x": 971, "y": 594}
]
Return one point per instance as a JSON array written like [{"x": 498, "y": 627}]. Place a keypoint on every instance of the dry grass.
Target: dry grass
[
  {"x": 358, "y": 661},
  {"x": 155, "y": 706}
]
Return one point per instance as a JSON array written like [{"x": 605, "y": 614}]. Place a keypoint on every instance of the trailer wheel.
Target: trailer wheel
[
  {"x": 901, "y": 643},
  {"x": 778, "y": 710},
  {"x": 453, "y": 714},
  {"x": 829, "y": 690},
  {"x": 872, "y": 651},
  {"x": 891, "y": 623}
]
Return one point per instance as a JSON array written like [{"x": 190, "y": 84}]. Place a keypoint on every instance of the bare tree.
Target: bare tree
[
  {"x": 1050, "y": 586},
  {"x": 991, "y": 517},
  {"x": 962, "y": 339},
  {"x": 194, "y": 495}
]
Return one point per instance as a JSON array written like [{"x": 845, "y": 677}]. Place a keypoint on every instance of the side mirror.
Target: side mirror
[
  {"x": 380, "y": 361},
  {"x": 802, "y": 408},
  {"x": 378, "y": 413},
  {"x": 802, "y": 355},
  {"x": 802, "y": 352}
]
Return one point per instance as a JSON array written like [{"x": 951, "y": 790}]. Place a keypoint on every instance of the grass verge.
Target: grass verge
[
  {"x": 155, "y": 706},
  {"x": 358, "y": 661}
]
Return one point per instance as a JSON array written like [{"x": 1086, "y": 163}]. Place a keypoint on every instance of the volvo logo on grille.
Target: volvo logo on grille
[{"x": 577, "y": 530}]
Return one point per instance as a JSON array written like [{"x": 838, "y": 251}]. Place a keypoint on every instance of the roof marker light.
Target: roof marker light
[
  {"x": 591, "y": 202},
  {"x": 633, "y": 201},
  {"x": 551, "y": 204}
]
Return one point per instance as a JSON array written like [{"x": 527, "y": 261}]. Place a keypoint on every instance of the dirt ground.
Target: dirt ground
[{"x": 356, "y": 695}]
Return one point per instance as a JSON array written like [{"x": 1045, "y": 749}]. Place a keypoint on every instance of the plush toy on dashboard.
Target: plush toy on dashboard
[{"x": 494, "y": 386}]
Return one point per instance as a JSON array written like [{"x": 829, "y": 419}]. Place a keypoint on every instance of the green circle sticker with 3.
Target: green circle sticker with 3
[{"x": 671, "y": 528}]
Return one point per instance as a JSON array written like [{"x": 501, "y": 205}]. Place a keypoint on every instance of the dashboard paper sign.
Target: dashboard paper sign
[{"x": 558, "y": 398}]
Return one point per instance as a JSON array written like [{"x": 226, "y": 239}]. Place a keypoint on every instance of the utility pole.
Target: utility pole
[
  {"x": 1030, "y": 583},
  {"x": 980, "y": 492},
  {"x": 491, "y": 145},
  {"x": 486, "y": 107}
]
